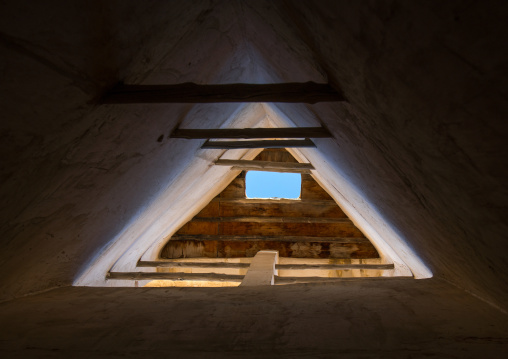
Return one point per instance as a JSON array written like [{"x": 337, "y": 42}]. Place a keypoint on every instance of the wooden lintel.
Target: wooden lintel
[
  {"x": 307, "y": 92},
  {"x": 316, "y": 202},
  {"x": 248, "y": 133},
  {"x": 167, "y": 264},
  {"x": 210, "y": 237},
  {"x": 334, "y": 266},
  {"x": 272, "y": 219},
  {"x": 226, "y": 145},
  {"x": 283, "y": 170},
  {"x": 174, "y": 276},
  {"x": 267, "y": 166}
]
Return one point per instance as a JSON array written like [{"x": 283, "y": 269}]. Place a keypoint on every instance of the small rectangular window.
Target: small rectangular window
[{"x": 260, "y": 184}]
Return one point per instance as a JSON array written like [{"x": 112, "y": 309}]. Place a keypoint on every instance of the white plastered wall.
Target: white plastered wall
[
  {"x": 201, "y": 181},
  {"x": 193, "y": 188},
  {"x": 390, "y": 245}
]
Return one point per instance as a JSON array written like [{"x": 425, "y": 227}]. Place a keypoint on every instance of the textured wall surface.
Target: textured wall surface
[
  {"x": 421, "y": 140},
  {"x": 393, "y": 319}
]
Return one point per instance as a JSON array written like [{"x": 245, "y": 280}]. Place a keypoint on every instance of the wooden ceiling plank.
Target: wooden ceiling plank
[
  {"x": 283, "y": 170},
  {"x": 174, "y": 276},
  {"x": 220, "y": 265},
  {"x": 272, "y": 219},
  {"x": 166, "y": 264},
  {"x": 226, "y": 145},
  {"x": 212, "y": 237},
  {"x": 249, "y": 133},
  {"x": 334, "y": 266},
  {"x": 272, "y": 200},
  {"x": 267, "y": 166},
  {"x": 295, "y": 280}
]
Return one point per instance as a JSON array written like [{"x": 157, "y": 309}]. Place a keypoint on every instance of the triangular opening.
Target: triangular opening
[
  {"x": 143, "y": 261},
  {"x": 193, "y": 179},
  {"x": 314, "y": 238}
]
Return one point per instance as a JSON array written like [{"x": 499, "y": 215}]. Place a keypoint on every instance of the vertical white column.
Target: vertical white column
[{"x": 262, "y": 269}]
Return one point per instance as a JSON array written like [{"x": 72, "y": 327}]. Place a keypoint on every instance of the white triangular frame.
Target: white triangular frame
[{"x": 183, "y": 198}]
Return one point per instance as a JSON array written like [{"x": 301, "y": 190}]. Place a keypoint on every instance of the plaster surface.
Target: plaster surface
[
  {"x": 421, "y": 141},
  {"x": 390, "y": 319}
]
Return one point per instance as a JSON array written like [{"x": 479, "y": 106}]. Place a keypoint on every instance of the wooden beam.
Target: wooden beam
[
  {"x": 334, "y": 266},
  {"x": 296, "y": 280},
  {"x": 286, "y": 170},
  {"x": 272, "y": 219},
  {"x": 221, "y": 265},
  {"x": 211, "y": 237},
  {"x": 245, "y": 260},
  {"x": 273, "y": 200},
  {"x": 248, "y": 133},
  {"x": 270, "y": 166},
  {"x": 265, "y": 164},
  {"x": 226, "y": 145},
  {"x": 308, "y": 92},
  {"x": 167, "y": 264},
  {"x": 174, "y": 276}
]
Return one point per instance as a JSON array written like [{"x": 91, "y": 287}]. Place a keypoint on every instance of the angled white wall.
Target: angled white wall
[{"x": 200, "y": 181}]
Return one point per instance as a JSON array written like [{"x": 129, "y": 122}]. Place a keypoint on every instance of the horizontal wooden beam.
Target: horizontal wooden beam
[
  {"x": 224, "y": 265},
  {"x": 167, "y": 264},
  {"x": 211, "y": 277},
  {"x": 272, "y": 219},
  {"x": 316, "y": 202},
  {"x": 174, "y": 276},
  {"x": 333, "y": 266},
  {"x": 302, "y": 280},
  {"x": 226, "y": 145},
  {"x": 267, "y": 166},
  {"x": 283, "y": 170},
  {"x": 206, "y": 260},
  {"x": 248, "y": 133},
  {"x": 307, "y": 92},
  {"x": 210, "y": 237}
]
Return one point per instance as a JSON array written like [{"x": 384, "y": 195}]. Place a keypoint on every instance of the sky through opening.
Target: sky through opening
[{"x": 260, "y": 184}]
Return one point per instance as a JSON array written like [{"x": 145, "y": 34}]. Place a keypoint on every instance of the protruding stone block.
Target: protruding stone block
[{"x": 262, "y": 269}]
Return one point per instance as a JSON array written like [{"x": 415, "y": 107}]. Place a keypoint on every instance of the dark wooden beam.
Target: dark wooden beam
[
  {"x": 224, "y": 265},
  {"x": 265, "y": 164},
  {"x": 307, "y": 92},
  {"x": 272, "y": 219},
  {"x": 248, "y": 133},
  {"x": 282, "y": 170},
  {"x": 334, "y": 266},
  {"x": 174, "y": 264},
  {"x": 210, "y": 237},
  {"x": 316, "y": 202},
  {"x": 295, "y": 280},
  {"x": 174, "y": 276},
  {"x": 226, "y": 145},
  {"x": 269, "y": 166}
]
